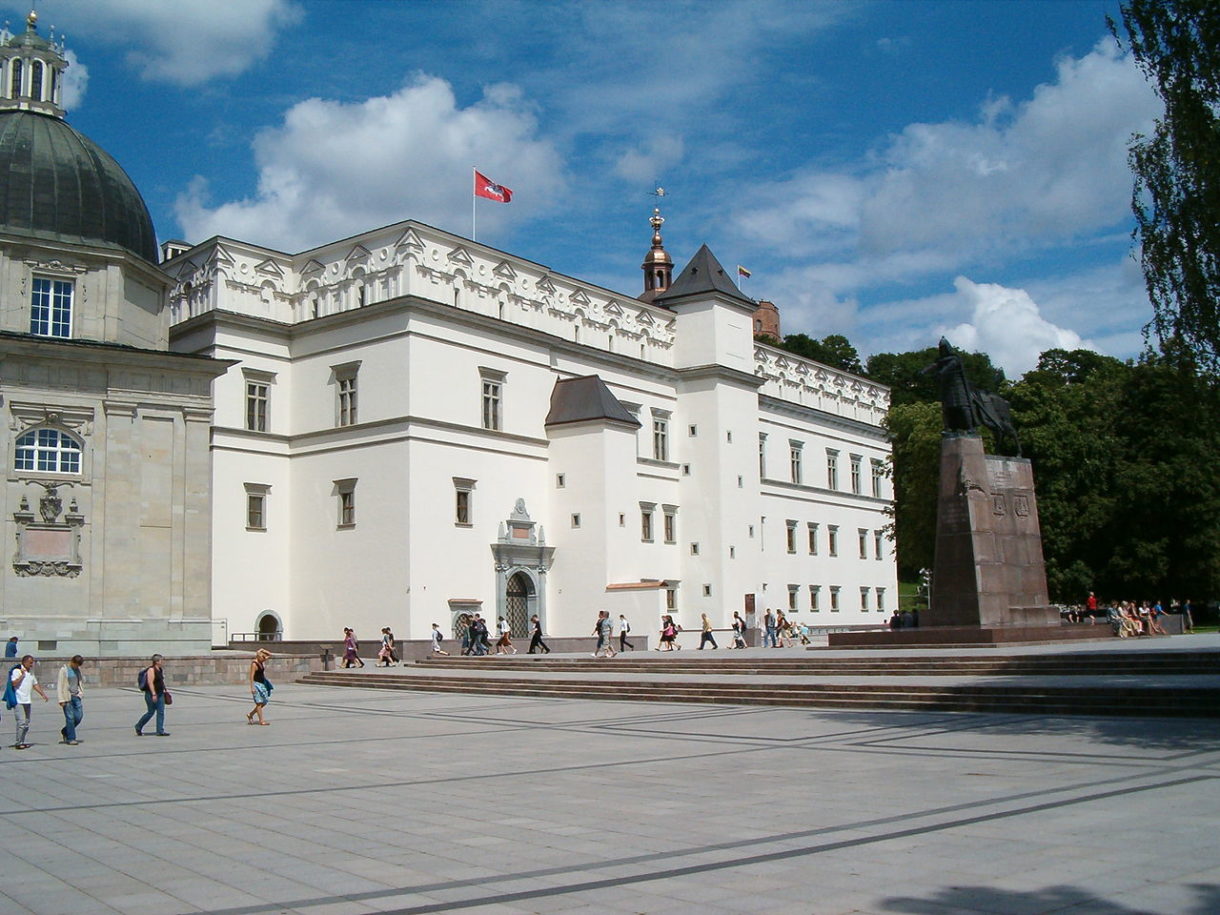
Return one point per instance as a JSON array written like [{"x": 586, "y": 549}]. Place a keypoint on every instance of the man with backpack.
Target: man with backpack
[
  {"x": 24, "y": 684},
  {"x": 152, "y": 682}
]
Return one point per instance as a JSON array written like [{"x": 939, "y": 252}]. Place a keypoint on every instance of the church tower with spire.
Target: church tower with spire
[{"x": 658, "y": 266}]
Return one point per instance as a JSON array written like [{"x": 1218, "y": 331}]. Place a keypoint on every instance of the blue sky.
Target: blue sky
[{"x": 891, "y": 171}]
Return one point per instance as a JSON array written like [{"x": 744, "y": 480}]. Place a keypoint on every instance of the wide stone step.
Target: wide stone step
[{"x": 1096, "y": 700}]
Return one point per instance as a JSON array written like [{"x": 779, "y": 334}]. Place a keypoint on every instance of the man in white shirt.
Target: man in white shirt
[
  {"x": 25, "y": 683},
  {"x": 623, "y": 628}
]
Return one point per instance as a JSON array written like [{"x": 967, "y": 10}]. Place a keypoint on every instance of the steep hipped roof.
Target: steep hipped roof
[
  {"x": 575, "y": 400},
  {"x": 701, "y": 276}
]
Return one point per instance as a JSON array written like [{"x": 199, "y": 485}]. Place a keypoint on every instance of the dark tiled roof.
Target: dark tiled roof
[
  {"x": 58, "y": 184},
  {"x": 575, "y": 400},
  {"x": 703, "y": 275}
]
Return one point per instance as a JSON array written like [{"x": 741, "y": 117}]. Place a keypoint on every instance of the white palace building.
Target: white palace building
[
  {"x": 392, "y": 429},
  {"x": 419, "y": 426}
]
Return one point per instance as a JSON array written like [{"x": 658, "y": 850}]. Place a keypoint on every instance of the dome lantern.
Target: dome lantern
[{"x": 31, "y": 71}]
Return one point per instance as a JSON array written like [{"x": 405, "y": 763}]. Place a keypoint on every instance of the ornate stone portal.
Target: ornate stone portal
[
  {"x": 522, "y": 561},
  {"x": 50, "y": 546}
]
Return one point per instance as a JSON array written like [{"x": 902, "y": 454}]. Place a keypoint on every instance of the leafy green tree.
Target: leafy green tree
[
  {"x": 903, "y": 374},
  {"x": 834, "y": 350},
  {"x": 914, "y": 429},
  {"x": 1177, "y": 169}
]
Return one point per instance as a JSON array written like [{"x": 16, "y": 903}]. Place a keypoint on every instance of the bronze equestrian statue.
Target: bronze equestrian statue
[{"x": 963, "y": 406}]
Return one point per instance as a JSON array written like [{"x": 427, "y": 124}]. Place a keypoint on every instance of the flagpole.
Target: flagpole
[{"x": 474, "y": 233}]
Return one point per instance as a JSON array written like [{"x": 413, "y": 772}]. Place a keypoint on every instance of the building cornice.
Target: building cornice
[{"x": 813, "y": 414}]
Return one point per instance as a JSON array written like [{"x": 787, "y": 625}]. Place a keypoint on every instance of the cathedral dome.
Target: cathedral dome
[{"x": 57, "y": 184}]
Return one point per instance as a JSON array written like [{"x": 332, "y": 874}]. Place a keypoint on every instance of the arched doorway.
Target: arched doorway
[
  {"x": 269, "y": 628},
  {"x": 517, "y": 600}
]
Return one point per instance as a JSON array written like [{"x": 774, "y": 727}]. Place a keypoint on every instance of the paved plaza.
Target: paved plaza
[{"x": 359, "y": 800}]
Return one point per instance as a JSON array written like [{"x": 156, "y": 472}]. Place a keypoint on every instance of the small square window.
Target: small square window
[
  {"x": 741, "y": 482},
  {"x": 694, "y": 549},
  {"x": 622, "y": 519},
  {"x": 707, "y": 590},
  {"x": 575, "y": 519},
  {"x": 686, "y": 470},
  {"x": 732, "y": 552},
  {"x": 728, "y": 437},
  {"x": 692, "y": 431},
  {"x": 560, "y": 481}
]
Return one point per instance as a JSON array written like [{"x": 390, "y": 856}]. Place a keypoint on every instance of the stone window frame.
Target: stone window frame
[
  {"x": 345, "y": 377},
  {"x": 660, "y": 434},
  {"x": 257, "y": 498},
  {"x": 790, "y": 534},
  {"x": 832, "y": 469},
  {"x": 812, "y": 528},
  {"x": 40, "y": 448},
  {"x": 492, "y": 383},
  {"x": 345, "y": 494},
  {"x": 647, "y": 532},
  {"x": 256, "y": 385},
  {"x": 857, "y": 479},
  {"x": 669, "y": 523},
  {"x": 463, "y": 501},
  {"x": 52, "y": 323},
  {"x": 815, "y": 594},
  {"x": 796, "y": 457}
]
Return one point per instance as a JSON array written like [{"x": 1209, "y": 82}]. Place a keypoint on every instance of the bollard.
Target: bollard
[{"x": 326, "y": 659}]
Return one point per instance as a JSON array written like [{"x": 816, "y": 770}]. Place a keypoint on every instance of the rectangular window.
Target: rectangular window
[
  {"x": 815, "y": 592},
  {"x": 258, "y": 396},
  {"x": 881, "y": 600},
  {"x": 832, "y": 545},
  {"x": 256, "y": 506},
  {"x": 762, "y": 455},
  {"x": 463, "y": 501},
  {"x": 832, "y": 469},
  {"x": 792, "y": 592},
  {"x": 560, "y": 481},
  {"x": 877, "y": 538},
  {"x": 856, "y": 480},
  {"x": 795, "y": 453},
  {"x": 878, "y": 472},
  {"x": 646, "y": 510},
  {"x": 671, "y": 524},
  {"x": 813, "y": 538},
  {"x": 660, "y": 435},
  {"x": 862, "y": 538},
  {"x": 692, "y": 431},
  {"x": 671, "y": 598},
  {"x": 576, "y": 519},
  {"x": 347, "y": 401},
  {"x": 834, "y": 598},
  {"x": 694, "y": 549},
  {"x": 345, "y": 490},
  {"x": 51, "y": 307},
  {"x": 791, "y": 537},
  {"x": 707, "y": 590},
  {"x": 864, "y": 599},
  {"x": 491, "y": 404}
]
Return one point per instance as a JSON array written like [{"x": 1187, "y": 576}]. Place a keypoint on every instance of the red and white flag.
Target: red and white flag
[{"x": 485, "y": 187}]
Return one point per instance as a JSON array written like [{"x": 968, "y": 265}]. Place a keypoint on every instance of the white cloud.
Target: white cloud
[
  {"x": 1021, "y": 176},
  {"x": 186, "y": 42},
  {"x": 76, "y": 81},
  {"x": 1008, "y": 325},
  {"x": 333, "y": 169}
]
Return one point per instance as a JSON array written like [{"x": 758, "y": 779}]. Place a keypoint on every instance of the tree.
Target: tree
[
  {"x": 914, "y": 429},
  {"x": 834, "y": 350},
  {"x": 903, "y": 374},
  {"x": 1177, "y": 169}
]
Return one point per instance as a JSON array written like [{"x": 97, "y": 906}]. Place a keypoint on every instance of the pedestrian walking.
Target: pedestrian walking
[
  {"x": 70, "y": 693},
  {"x": 479, "y": 644},
  {"x": 706, "y": 635},
  {"x": 437, "y": 638},
  {"x": 623, "y": 628},
  {"x": 669, "y": 633},
  {"x": 504, "y": 644},
  {"x": 386, "y": 653},
  {"x": 351, "y": 648},
  {"x": 536, "y": 636},
  {"x": 156, "y": 697},
  {"x": 769, "y": 630},
  {"x": 25, "y": 684},
  {"x": 462, "y": 631},
  {"x": 260, "y": 687},
  {"x": 739, "y": 631},
  {"x": 10, "y": 647},
  {"x": 604, "y": 630}
]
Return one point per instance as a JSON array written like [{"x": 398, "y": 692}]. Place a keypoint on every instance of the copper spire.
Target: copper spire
[{"x": 658, "y": 266}]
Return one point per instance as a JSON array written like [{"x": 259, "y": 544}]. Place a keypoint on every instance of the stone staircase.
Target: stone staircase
[{"x": 1153, "y": 684}]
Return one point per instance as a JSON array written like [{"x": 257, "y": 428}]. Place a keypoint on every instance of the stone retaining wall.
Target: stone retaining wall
[{"x": 220, "y": 669}]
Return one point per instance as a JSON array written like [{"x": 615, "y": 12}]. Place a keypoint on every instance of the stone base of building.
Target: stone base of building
[
  {"x": 109, "y": 638},
  {"x": 969, "y": 636}
]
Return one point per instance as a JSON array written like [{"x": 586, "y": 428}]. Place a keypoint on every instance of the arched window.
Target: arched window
[
  {"x": 15, "y": 85},
  {"x": 48, "y": 451},
  {"x": 36, "y": 80}
]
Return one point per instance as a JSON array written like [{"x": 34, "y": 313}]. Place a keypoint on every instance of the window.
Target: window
[
  {"x": 815, "y": 592},
  {"x": 732, "y": 552},
  {"x": 877, "y": 538},
  {"x": 256, "y": 506},
  {"x": 48, "y": 451},
  {"x": 862, "y": 539},
  {"x": 832, "y": 545},
  {"x": 692, "y": 431},
  {"x": 671, "y": 598},
  {"x": 793, "y": 590},
  {"x": 15, "y": 88},
  {"x": 258, "y": 399},
  {"x": 36, "y": 80},
  {"x": 834, "y": 598},
  {"x": 686, "y": 470},
  {"x": 791, "y": 537},
  {"x": 622, "y": 519},
  {"x": 463, "y": 501},
  {"x": 813, "y": 538},
  {"x": 856, "y": 482},
  {"x": 795, "y": 451},
  {"x": 646, "y": 510},
  {"x": 864, "y": 600},
  {"x": 878, "y": 472},
  {"x": 560, "y": 481},
  {"x": 762, "y": 455},
  {"x": 345, "y": 490},
  {"x": 707, "y": 590},
  {"x": 694, "y": 549},
  {"x": 671, "y": 523},
  {"x": 51, "y": 307},
  {"x": 881, "y": 600},
  {"x": 728, "y": 437},
  {"x": 493, "y": 393},
  {"x": 832, "y": 469},
  {"x": 660, "y": 435},
  {"x": 345, "y": 387},
  {"x": 575, "y": 519}
]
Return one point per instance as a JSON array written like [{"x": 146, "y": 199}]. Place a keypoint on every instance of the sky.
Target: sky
[{"x": 890, "y": 170}]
